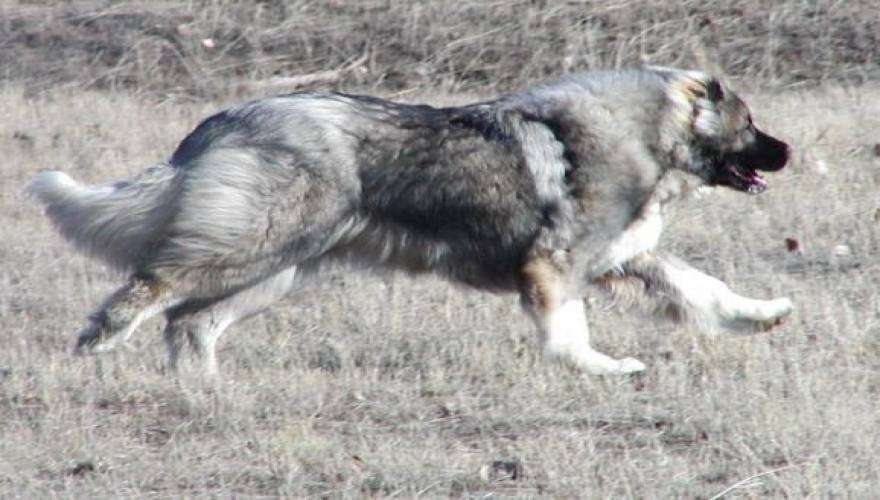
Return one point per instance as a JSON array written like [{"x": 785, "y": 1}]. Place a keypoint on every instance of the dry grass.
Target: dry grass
[
  {"x": 409, "y": 387},
  {"x": 160, "y": 46},
  {"x": 369, "y": 386}
]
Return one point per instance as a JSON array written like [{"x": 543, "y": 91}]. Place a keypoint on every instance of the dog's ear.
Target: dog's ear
[
  {"x": 714, "y": 91},
  {"x": 710, "y": 89}
]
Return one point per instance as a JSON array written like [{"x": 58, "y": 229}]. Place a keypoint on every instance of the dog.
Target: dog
[{"x": 545, "y": 193}]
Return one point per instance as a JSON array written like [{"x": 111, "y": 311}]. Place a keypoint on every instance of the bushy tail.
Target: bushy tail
[{"x": 116, "y": 223}]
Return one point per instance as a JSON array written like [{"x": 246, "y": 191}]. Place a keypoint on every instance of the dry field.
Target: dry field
[
  {"x": 393, "y": 386},
  {"x": 207, "y": 48}
]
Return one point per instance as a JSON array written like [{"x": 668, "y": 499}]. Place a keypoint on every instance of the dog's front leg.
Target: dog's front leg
[
  {"x": 685, "y": 293},
  {"x": 561, "y": 320}
]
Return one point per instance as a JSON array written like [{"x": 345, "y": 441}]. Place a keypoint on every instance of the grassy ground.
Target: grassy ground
[
  {"x": 393, "y": 386},
  {"x": 214, "y": 47}
]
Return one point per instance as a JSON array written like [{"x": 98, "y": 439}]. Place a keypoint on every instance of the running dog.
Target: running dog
[{"x": 543, "y": 193}]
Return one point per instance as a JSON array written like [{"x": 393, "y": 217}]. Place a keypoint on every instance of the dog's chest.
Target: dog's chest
[{"x": 642, "y": 234}]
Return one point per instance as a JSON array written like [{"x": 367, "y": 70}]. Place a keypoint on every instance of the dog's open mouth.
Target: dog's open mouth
[
  {"x": 742, "y": 178},
  {"x": 739, "y": 170}
]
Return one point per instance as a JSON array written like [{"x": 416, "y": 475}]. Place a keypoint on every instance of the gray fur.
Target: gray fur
[
  {"x": 482, "y": 194},
  {"x": 115, "y": 223}
]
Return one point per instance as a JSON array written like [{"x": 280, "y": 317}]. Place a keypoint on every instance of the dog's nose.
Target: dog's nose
[
  {"x": 776, "y": 152},
  {"x": 786, "y": 155}
]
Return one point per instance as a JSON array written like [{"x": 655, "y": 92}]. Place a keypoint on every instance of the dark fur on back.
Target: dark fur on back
[
  {"x": 443, "y": 189},
  {"x": 445, "y": 186}
]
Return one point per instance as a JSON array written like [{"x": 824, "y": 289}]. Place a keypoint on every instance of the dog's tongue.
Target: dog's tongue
[{"x": 757, "y": 184}]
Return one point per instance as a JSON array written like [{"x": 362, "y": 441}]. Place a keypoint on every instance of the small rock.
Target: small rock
[
  {"x": 842, "y": 250},
  {"x": 82, "y": 468},
  {"x": 24, "y": 138},
  {"x": 502, "y": 470},
  {"x": 184, "y": 30}
]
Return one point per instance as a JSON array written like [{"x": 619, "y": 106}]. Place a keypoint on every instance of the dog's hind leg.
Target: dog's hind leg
[
  {"x": 122, "y": 312},
  {"x": 203, "y": 322},
  {"x": 686, "y": 294},
  {"x": 562, "y": 322},
  {"x": 175, "y": 334}
]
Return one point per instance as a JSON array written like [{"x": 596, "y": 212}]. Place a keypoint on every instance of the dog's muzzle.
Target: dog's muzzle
[{"x": 739, "y": 170}]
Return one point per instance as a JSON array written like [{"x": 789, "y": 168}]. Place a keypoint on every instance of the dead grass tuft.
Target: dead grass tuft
[{"x": 214, "y": 47}]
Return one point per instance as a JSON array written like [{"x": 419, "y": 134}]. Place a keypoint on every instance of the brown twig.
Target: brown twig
[{"x": 309, "y": 79}]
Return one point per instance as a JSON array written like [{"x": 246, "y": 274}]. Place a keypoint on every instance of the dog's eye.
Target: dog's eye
[{"x": 749, "y": 126}]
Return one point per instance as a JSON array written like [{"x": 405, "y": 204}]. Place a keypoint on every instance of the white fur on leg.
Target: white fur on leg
[
  {"x": 173, "y": 344},
  {"x": 718, "y": 308},
  {"x": 206, "y": 348},
  {"x": 752, "y": 315},
  {"x": 566, "y": 337},
  {"x": 211, "y": 322},
  {"x": 641, "y": 236}
]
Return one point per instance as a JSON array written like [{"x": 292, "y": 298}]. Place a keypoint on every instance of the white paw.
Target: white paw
[
  {"x": 593, "y": 362},
  {"x": 775, "y": 313},
  {"x": 610, "y": 366},
  {"x": 752, "y": 316},
  {"x": 90, "y": 342},
  {"x": 630, "y": 365},
  {"x": 102, "y": 347},
  {"x": 783, "y": 307}
]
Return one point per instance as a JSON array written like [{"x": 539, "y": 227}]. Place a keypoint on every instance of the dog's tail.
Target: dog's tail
[{"x": 116, "y": 223}]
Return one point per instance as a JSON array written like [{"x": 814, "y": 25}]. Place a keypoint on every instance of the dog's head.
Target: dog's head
[{"x": 712, "y": 134}]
